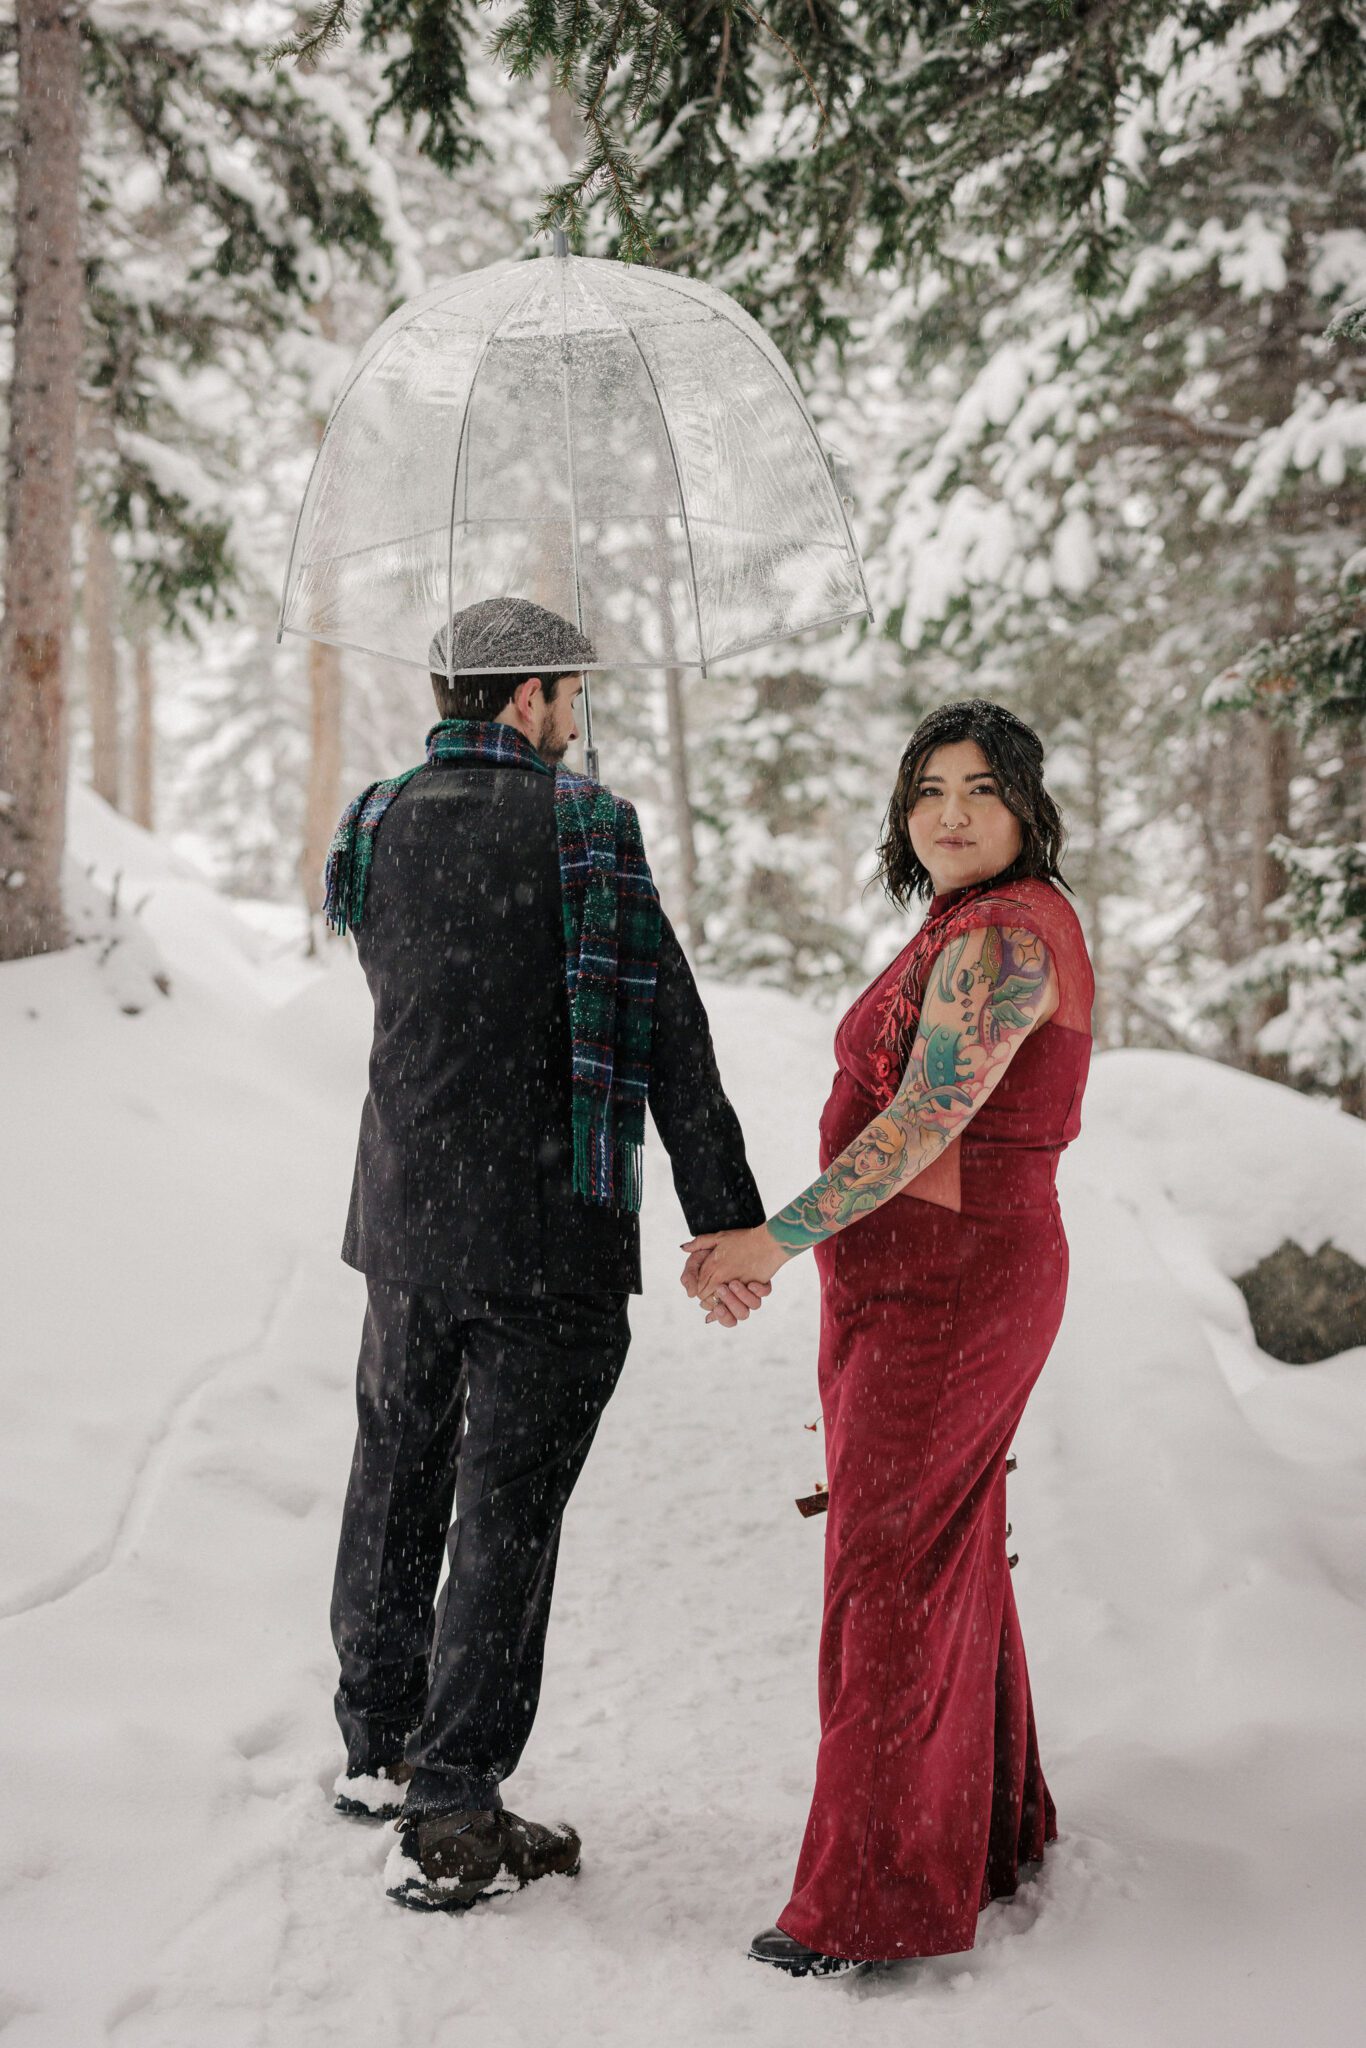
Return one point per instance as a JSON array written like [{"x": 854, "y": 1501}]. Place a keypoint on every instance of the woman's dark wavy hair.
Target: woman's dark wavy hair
[{"x": 1015, "y": 753}]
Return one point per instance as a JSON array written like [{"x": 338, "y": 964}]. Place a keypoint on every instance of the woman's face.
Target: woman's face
[{"x": 961, "y": 827}]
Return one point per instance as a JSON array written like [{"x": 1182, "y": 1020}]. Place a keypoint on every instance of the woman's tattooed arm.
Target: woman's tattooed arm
[{"x": 983, "y": 999}]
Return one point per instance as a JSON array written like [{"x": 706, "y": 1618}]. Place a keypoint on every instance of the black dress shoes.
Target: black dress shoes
[{"x": 784, "y": 1953}]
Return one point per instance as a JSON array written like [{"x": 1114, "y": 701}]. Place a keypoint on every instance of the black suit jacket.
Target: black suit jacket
[{"x": 463, "y": 1174}]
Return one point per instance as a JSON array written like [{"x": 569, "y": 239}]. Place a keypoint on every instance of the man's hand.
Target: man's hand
[
  {"x": 729, "y": 1304},
  {"x": 692, "y": 1271},
  {"x": 735, "y": 1301}
]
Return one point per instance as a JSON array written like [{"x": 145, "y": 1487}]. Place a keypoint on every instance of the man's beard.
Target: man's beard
[{"x": 551, "y": 750}]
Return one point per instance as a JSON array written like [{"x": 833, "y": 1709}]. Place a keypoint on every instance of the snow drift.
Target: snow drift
[{"x": 177, "y": 1338}]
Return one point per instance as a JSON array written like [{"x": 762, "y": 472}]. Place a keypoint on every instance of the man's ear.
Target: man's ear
[{"x": 524, "y": 699}]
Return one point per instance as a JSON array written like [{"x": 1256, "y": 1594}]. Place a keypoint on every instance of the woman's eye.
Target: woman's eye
[{"x": 981, "y": 789}]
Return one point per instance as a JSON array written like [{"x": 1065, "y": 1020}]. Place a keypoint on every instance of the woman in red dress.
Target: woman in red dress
[{"x": 943, "y": 1270}]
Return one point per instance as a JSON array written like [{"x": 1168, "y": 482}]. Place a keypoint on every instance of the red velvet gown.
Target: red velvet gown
[{"x": 937, "y": 1313}]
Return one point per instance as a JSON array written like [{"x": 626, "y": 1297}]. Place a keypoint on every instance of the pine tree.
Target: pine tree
[
  {"x": 791, "y": 790},
  {"x": 249, "y": 187},
  {"x": 1146, "y": 486},
  {"x": 1314, "y": 682},
  {"x": 40, "y": 480}
]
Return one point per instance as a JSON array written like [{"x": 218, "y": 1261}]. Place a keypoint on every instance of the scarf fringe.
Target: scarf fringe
[
  {"x": 346, "y": 871},
  {"x": 344, "y": 878},
  {"x": 608, "y": 1171}
]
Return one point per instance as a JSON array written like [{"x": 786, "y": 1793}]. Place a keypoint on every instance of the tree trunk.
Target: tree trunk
[
  {"x": 1230, "y": 796},
  {"x": 323, "y": 800},
  {"x": 1286, "y": 360},
  {"x": 1270, "y": 797},
  {"x": 566, "y": 125},
  {"x": 98, "y": 600},
  {"x": 1217, "y": 796},
  {"x": 35, "y": 639},
  {"x": 1352, "y": 1094},
  {"x": 682, "y": 808},
  {"x": 1274, "y": 761},
  {"x": 143, "y": 777}
]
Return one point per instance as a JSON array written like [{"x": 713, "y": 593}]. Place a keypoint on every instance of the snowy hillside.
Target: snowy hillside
[{"x": 177, "y": 1339}]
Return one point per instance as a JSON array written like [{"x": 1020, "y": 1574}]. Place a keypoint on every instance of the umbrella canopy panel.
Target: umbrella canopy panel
[{"x": 625, "y": 448}]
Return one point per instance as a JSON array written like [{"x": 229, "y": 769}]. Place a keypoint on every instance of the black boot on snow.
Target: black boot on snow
[
  {"x": 372, "y": 1795},
  {"x": 445, "y": 1862},
  {"x": 784, "y": 1953}
]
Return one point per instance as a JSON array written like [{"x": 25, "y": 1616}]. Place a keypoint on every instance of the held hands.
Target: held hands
[
  {"x": 729, "y": 1305},
  {"x": 729, "y": 1272}
]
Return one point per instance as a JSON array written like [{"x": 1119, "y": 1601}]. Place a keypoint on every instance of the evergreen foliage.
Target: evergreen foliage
[
  {"x": 1314, "y": 680},
  {"x": 221, "y": 195},
  {"x": 428, "y": 80},
  {"x": 788, "y": 148},
  {"x": 1078, "y": 290}
]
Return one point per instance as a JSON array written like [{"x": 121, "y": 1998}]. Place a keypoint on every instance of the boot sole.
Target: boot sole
[
  {"x": 356, "y": 1809},
  {"x": 420, "y": 1898},
  {"x": 425, "y": 1895},
  {"x": 370, "y": 1795},
  {"x": 830, "y": 1966}
]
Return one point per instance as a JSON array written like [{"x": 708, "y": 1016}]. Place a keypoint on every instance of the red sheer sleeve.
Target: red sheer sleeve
[{"x": 1041, "y": 908}]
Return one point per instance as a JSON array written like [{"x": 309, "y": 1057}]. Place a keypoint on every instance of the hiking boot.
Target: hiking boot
[
  {"x": 783, "y": 1952},
  {"x": 372, "y": 1795},
  {"x": 445, "y": 1862}
]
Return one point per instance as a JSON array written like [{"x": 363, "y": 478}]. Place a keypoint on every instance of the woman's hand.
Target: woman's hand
[
  {"x": 734, "y": 1256},
  {"x": 728, "y": 1305}
]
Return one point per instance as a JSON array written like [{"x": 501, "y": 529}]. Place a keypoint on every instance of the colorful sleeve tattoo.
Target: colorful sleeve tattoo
[{"x": 981, "y": 1002}]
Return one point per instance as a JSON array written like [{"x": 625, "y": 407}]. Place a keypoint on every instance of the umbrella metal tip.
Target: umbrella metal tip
[{"x": 559, "y": 242}]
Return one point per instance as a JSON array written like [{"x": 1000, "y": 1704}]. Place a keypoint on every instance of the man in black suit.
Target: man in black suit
[{"x": 496, "y": 1327}]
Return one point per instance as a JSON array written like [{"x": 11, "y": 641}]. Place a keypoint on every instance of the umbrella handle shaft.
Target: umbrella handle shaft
[{"x": 590, "y": 752}]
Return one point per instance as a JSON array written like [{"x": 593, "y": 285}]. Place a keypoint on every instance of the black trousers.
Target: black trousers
[{"x": 492, "y": 1400}]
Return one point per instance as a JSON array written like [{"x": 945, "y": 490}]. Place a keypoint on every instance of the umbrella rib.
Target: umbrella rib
[
  {"x": 372, "y": 547},
  {"x": 332, "y": 418},
  {"x": 626, "y": 518},
  {"x": 569, "y": 457},
  {"x": 795, "y": 391},
  {"x": 675, "y": 285},
  {"x": 398, "y": 540},
  {"x": 774, "y": 639},
  {"x": 362, "y": 364},
  {"x": 408, "y": 661},
  {"x": 461, "y": 288},
  {"x": 678, "y": 480},
  {"x": 489, "y": 339}
]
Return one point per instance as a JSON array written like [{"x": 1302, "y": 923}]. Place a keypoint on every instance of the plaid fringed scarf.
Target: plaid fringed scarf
[{"x": 611, "y": 943}]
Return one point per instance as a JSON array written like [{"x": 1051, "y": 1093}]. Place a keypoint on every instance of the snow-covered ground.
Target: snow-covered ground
[{"x": 177, "y": 1337}]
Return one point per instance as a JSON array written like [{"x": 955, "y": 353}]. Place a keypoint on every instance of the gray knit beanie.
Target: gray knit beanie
[{"x": 510, "y": 634}]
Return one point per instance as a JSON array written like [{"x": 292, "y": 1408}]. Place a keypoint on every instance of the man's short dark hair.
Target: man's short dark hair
[{"x": 485, "y": 696}]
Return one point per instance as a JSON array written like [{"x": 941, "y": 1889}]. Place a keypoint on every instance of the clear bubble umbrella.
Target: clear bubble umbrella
[{"x": 619, "y": 445}]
